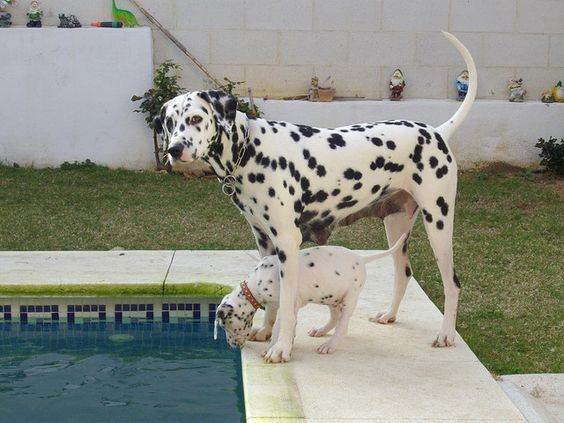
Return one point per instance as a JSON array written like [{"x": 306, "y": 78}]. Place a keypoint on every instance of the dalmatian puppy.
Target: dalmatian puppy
[
  {"x": 330, "y": 275},
  {"x": 294, "y": 183}
]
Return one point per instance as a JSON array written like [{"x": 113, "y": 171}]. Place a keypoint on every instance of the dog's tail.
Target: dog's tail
[
  {"x": 399, "y": 242},
  {"x": 448, "y": 128}
]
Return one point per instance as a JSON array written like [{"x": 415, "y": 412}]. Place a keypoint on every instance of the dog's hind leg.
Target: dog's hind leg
[
  {"x": 438, "y": 216},
  {"x": 322, "y": 331},
  {"x": 396, "y": 225}
]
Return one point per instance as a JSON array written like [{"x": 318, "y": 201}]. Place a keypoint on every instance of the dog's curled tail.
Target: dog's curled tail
[
  {"x": 398, "y": 244},
  {"x": 448, "y": 128}
]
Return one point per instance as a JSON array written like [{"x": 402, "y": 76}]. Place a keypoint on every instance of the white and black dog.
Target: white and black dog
[
  {"x": 332, "y": 276},
  {"x": 295, "y": 183}
]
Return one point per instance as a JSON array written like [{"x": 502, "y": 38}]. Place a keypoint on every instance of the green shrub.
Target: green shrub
[{"x": 552, "y": 154}]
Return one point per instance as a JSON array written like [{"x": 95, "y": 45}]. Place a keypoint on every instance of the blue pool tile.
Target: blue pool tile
[
  {"x": 8, "y": 308},
  {"x": 126, "y": 307},
  {"x": 212, "y": 307},
  {"x": 55, "y": 308},
  {"x": 189, "y": 307},
  {"x": 70, "y": 317},
  {"x": 23, "y": 317},
  {"x": 150, "y": 307},
  {"x": 102, "y": 307},
  {"x": 39, "y": 309},
  {"x": 181, "y": 307},
  {"x": 47, "y": 309},
  {"x": 173, "y": 307},
  {"x": 118, "y": 307},
  {"x": 94, "y": 307},
  {"x": 196, "y": 307},
  {"x": 1, "y": 309},
  {"x": 54, "y": 316},
  {"x": 141, "y": 307},
  {"x": 102, "y": 315},
  {"x": 119, "y": 316},
  {"x": 150, "y": 315},
  {"x": 166, "y": 317},
  {"x": 7, "y": 316},
  {"x": 78, "y": 307},
  {"x": 133, "y": 307},
  {"x": 86, "y": 307},
  {"x": 70, "y": 308},
  {"x": 196, "y": 315},
  {"x": 165, "y": 306}
]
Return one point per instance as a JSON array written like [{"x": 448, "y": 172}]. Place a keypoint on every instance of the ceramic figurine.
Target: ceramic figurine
[
  {"x": 516, "y": 90},
  {"x": 125, "y": 16},
  {"x": 462, "y": 85},
  {"x": 5, "y": 18},
  {"x": 313, "y": 94},
  {"x": 397, "y": 83},
  {"x": 34, "y": 15},
  {"x": 546, "y": 96},
  {"x": 69, "y": 21},
  {"x": 558, "y": 92}
]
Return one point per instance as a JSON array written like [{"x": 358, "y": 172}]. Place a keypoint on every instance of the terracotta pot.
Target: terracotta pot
[{"x": 326, "y": 94}]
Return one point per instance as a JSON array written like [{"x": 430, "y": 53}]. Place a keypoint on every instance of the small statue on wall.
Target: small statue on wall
[
  {"x": 5, "y": 18},
  {"x": 34, "y": 15},
  {"x": 462, "y": 81},
  {"x": 313, "y": 94},
  {"x": 558, "y": 92},
  {"x": 516, "y": 90},
  {"x": 397, "y": 84},
  {"x": 70, "y": 21}
]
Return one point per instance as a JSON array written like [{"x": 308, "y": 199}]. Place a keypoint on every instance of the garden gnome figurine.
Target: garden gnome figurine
[
  {"x": 546, "y": 96},
  {"x": 34, "y": 15},
  {"x": 397, "y": 83},
  {"x": 314, "y": 89},
  {"x": 462, "y": 85},
  {"x": 69, "y": 21},
  {"x": 516, "y": 90},
  {"x": 5, "y": 18},
  {"x": 558, "y": 92}
]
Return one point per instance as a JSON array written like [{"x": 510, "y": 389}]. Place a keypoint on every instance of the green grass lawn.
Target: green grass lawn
[{"x": 509, "y": 235}]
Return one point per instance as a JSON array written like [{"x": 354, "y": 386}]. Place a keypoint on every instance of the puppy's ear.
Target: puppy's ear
[{"x": 224, "y": 107}]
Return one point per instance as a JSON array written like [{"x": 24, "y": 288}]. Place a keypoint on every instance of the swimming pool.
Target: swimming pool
[{"x": 116, "y": 360}]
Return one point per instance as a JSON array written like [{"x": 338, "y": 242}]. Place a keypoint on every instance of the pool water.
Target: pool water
[{"x": 118, "y": 372}]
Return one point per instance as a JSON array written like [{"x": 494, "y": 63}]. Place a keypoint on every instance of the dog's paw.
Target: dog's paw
[
  {"x": 278, "y": 353},
  {"x": 317, "y": 332},
  {"x": 326, "y": 348},
  {"x": 260, "y": 335},
  {"x": 443, "y": 340},
  {"x": 383, "y": 317}
]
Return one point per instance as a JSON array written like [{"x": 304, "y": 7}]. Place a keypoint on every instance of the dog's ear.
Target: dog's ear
[{"x": 224, "y": 107}]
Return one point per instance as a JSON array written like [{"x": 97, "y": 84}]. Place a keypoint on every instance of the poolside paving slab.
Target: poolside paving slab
[{"x": 379, "y": 373}]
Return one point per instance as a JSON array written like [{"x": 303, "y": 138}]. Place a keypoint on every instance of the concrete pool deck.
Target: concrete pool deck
[{"x": 380, "y": 373}]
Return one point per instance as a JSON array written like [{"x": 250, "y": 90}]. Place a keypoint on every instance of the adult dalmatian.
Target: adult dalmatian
[{"x": 295, "y": 183}]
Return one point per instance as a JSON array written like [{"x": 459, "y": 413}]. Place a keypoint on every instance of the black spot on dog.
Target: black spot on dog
[
  {"x": 336, "y": 192},
  {"x": 378, "y": 163},
  {"x": 252, "y": 178},
  {"x": 295, "y": 137},
  {"x": 416, "y": 157},
  {"x": 273, "y": 164},
  {"x": 393, "y": 167},
  {"x": 311, "y": 264},
  {"x": 273, "y": 231},
  {"x": 440, "y": 224},
  {"x": 320, "y": 196},
  {"x": 407, "y": 271},
  {"x": 428, "y": 216},
  {"x": 256, "y": 141},
  {"x": 352, "y": 174},
  {"x": 455, "y": 279},
  {"x": 306, "y": 154},
  {"x": 304, "y": 183},
  {"x": 425, "y": 134},
  {"x": 263, "y": 129},
  {"x": 336, "y": 140},
  {"x": 440, "y": 143},
  {"x": 291, "y": 190},
  {"x": 391, "y": 145},
  {"x": 442, "y": 171},
  {"x": 282, "y": 257},
  {"x": 307, "y": 131},
  {"x": 298, "y": 206},
  {"x": 375, "y": 189},
  {"x": 271, "y": 192},
  {"x": 443, "y": 205},
  {"x": 422, "y": 125},
  {"x": 417, "y": 178},
  {"x": 357, "y": 186},
  {"x": 377, "y": 141},
  {"x": 346, "y": 202},
  {"x": 321, "y": 171},
  {"x": 433, "y": 162},
  {"x": 260, "y": 178},
  {"x": 312, "y": 163},
  {"x": 282, "y": 162}
]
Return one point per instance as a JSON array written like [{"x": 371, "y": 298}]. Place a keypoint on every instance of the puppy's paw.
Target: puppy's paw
[
  {"x": 383, "y": 317},
  {"x": 278, "y": 353},
  {"x": 260, "y": 335},
  {"x": 444, "y": 340},
  {"x": 326, "y": 348},
  {"x": 317, "y": 332}
]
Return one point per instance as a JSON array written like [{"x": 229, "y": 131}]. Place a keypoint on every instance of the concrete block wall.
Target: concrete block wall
[{"x": 276, "y": 46}]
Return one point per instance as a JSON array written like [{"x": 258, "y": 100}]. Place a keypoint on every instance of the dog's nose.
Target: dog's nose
[{"x": 175, "y": 150}]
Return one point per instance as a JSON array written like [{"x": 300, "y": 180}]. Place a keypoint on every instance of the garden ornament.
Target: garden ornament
[
  {"x": 397, "y": 83},
  {"x": 70, "y": 21},
  {"x": 34, "y": 15},
  {"x": 5, "y": 18},
  {"x": 516, "y": 90},
  {"x": 558, "y": 92},
  {"x": 313, "y": 94},
  {"x": 462, "y": 85},
  {"x": 124, "y": 16}
]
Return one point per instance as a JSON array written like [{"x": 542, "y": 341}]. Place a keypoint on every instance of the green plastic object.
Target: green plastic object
[{"x": 125, "y": 16}]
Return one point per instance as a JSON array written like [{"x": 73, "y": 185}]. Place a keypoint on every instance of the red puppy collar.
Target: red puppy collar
[{"x": 250, "y": 296}]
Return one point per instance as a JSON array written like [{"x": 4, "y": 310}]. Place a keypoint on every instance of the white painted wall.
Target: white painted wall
[
  {"x": 66, "y": 96},
  {"x": 276, "y": 46}
]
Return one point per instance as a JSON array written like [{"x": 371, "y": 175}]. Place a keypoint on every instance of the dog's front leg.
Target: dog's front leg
[{"x": 289, "y": 263}]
